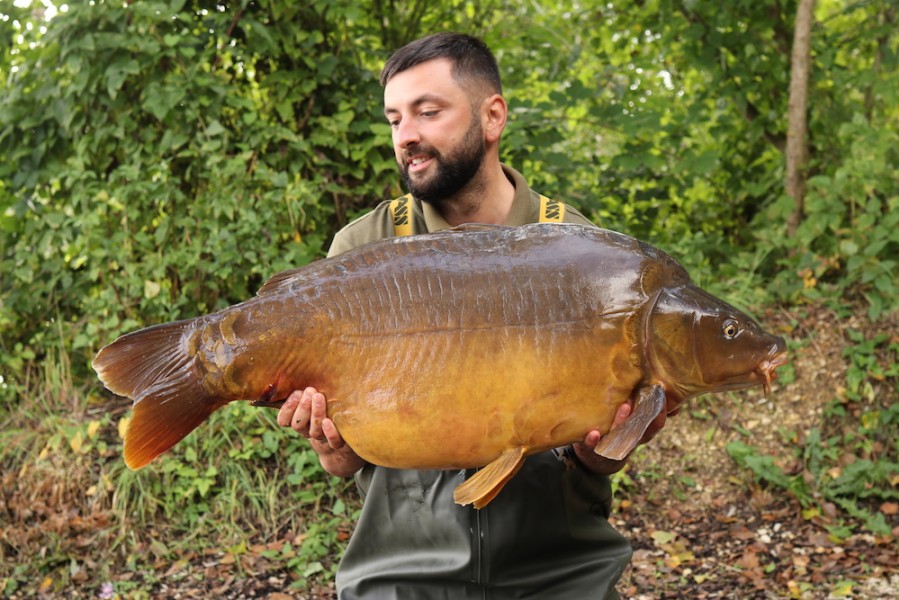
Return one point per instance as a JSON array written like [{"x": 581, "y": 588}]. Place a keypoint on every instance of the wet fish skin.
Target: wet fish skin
[{"x": 452, "y": 350}]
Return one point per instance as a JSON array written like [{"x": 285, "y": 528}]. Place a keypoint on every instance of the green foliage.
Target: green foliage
[
  {"x": 667, "y": 120},
  {"x": 238, "y": 486},
  {"x": 849, "y": 239},
  {"x": 164, "y": 159},
  {"x": 852, "y": 460},
  {"x": 161, "y": 159}
]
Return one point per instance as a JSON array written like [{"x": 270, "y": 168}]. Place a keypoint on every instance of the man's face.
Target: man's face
[{"x": 437, "y": 137}]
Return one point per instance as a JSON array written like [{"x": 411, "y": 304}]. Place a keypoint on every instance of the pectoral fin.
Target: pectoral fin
[
  {"x": 483, "y": 486},
  {"x": 619, "y": 442}
]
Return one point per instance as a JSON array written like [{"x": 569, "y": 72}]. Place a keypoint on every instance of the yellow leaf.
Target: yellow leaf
[
  {"x": 870, "y": 419},
  {"x": 686, "y": 556},
  {"x": 91, "y": 491},
  {"x": 76, "y": 442},
  {"x": 842, "y": 588},
  {"x": 239, "y": 548},
  {"x": 123, "y": 426},
  {"x": 151, "y": 289},
  {"x": 46, "y": 584},
  {"x": 92, "y": 429},
  {"x": 810, "y": 513},
  {"x": 662, "y": 537}
]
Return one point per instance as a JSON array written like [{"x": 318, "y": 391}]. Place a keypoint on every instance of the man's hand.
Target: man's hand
[
  {"x": 585, "y": 451},
  {"x": 306, "y": 412}
]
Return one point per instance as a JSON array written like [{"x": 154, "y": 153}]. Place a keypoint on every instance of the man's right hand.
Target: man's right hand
[{"x": 306, "y": 412}]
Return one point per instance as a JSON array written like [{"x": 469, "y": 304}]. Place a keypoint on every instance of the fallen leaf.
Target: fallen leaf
[
  {"x": 749, "y": 561},
  {"x": 662, "y": 537},
  {"x": 76, "y": 442},
  {"x": 92, "y": 428},
  {"x": 46, "y": 584},
  {"x": 842, "y": 588}
]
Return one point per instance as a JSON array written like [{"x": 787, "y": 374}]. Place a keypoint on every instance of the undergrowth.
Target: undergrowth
[
  {"x": 238, "y": 491},
  {"x": 844, "y": 471}
]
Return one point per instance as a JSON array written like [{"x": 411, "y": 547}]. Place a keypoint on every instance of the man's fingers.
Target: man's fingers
[
  {"x": 592, "y": 439},
  {"x": 621, "y": 415},
  {"x": 331, "y": 434},
  {"x": 318, "y": 412},
  {"x": 285, "y": 414},
  {"x": 303, "y": 412},
  {"x": 306, "y": 411}
]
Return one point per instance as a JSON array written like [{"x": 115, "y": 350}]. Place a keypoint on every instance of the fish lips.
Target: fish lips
[{"x": 766, "y": 371}]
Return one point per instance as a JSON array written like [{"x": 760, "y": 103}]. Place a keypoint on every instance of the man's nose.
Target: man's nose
[{"x": 406, "y": 134}]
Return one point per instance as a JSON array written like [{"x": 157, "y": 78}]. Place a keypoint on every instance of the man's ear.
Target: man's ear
[{"x": 493, "y": 114}]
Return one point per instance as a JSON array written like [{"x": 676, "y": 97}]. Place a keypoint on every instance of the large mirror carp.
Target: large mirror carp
[{"x": 466, "y": 348}]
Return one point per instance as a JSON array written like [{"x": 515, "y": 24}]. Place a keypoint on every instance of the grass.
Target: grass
[{"x": 239, "y": 492}]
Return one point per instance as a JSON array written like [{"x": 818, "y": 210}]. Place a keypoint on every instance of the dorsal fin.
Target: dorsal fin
[
  {"x": 277, "y": 280},
  {"x": 476, "y": 227}
]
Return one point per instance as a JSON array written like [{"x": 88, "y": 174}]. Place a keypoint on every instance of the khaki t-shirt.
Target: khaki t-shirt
[{"x": 379, "y": 223}]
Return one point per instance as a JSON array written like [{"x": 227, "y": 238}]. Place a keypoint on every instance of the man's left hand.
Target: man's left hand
[{"x": 586, "y": 450}]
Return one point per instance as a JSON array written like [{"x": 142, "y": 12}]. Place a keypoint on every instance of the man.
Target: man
[{"x": 546, "y": 535}]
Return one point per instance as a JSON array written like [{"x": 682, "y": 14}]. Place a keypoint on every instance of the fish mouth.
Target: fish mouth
[{"x": 766, "y": 370}]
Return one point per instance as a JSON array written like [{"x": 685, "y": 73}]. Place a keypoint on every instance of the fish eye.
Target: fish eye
[{"x": 730, "y": 329}]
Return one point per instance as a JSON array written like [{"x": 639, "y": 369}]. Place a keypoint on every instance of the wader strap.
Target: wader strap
[
  {"x": 401, "y": 214},
  {"x": 551, "y": 211}
]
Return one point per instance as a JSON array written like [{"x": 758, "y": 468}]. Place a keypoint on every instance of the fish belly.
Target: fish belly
[{"x": 459, "y": 400}]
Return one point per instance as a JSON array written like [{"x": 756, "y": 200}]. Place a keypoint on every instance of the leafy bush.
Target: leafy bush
[
  {"x": 847, "y": 243},
  {"x": 186, "y": 156}
]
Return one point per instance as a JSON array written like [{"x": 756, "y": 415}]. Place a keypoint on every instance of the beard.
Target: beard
[{"x": 454, "y": 170}]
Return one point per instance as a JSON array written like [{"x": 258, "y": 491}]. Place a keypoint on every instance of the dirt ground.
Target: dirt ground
[{"x": 702, "y": 528}]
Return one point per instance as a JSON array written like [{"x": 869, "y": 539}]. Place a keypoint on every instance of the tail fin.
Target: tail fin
[{"x": 154, "y": 367}]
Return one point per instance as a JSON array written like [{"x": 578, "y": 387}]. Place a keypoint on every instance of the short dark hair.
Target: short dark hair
[{"x": 472, "y": 60}]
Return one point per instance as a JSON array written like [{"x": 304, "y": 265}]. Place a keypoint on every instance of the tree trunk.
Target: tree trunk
[{"x": 797, "y": 121}]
